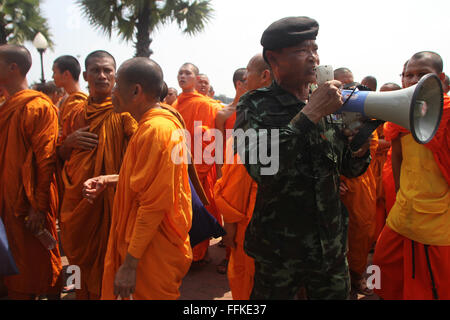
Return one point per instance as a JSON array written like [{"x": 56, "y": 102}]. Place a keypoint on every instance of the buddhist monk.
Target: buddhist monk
[
  {"x": 227, "y": 116},
  {"x": 382, "y": 158},
  {"x": 199, "y": 113},
  {"x": 50, "y": 89},
  {"x": 345, "y": 75},
  {"x": 446, "y": 84},
  {"x": 359, "y": 198},
  {"x": 370, "y": 82},
  {"x": 413, "y": 250},
  {"x": 235, "y": 196},
  {"x": 225, "y": 120},
  {"x": 28, "y": 136},
  {"x": 149, "y": 251},
  {"x": 172, "y": 95},
  {"x": 211, "y": 92},
  {"x": 66, "y": 73},
  {"x": 202, "y": 84},
  {"x": 93, "y": 144}
]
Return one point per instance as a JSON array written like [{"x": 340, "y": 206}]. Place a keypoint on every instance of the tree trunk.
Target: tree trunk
[
  {"x": 143, "y": 39},
  {"x": 3, "y": 35}
]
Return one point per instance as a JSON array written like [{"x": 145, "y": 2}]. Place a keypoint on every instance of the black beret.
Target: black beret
[{"x": 288, "y": 32}]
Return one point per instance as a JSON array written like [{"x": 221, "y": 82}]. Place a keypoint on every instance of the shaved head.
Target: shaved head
[
  {"x": 343, "y": 75},
  {"x": 259, "y": 73},
  {"x": 193, "y": 67},
  {"x": 390, "y": 86},
  {"x": 258, "y": 63},
  {"x": 239, "y": 75},
  {"x": 370, "y": 82},
  {"x": 98, "y": 54},
  {"x": 145, "y": 72},
  {"x": 420, "y": 64},
  {"x": 431, "y": 58},
  {"x": 11, "y": 53}
]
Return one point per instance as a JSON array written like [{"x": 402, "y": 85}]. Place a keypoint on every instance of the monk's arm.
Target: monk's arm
[
  {"x": 152, "y": 181},
  {"x": 42, "y": 127},
  {"x": 93, "y": 187}
]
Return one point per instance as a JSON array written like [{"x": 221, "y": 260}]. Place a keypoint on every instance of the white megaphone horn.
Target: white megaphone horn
[{"x": 417, "y": 108}]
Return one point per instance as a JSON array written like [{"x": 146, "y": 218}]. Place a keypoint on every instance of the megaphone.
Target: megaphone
[{"x": 418, "y": 108}]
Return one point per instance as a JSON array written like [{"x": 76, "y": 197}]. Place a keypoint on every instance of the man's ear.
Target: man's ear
[
  {"x": 13, "y": 67},
  {"x": 265, "y": 76},
  {"x": 67, "y": 75},
  {"x": 137, "y": 91},
  {"x": 85, "y": 76}
]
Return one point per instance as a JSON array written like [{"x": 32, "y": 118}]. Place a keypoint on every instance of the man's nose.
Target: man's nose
[{"x": 102, "y": 74}]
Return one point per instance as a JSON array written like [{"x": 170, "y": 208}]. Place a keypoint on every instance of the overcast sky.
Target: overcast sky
[{"x": 369, "y": 37}]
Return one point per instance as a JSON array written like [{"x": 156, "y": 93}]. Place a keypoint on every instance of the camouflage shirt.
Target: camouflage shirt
[{"x": 298, "y": 213}]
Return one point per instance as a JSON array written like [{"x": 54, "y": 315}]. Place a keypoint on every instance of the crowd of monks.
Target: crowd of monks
[{"x": 85, "y": 163}]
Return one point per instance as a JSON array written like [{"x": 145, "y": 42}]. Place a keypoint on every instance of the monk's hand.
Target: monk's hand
[
  {"x": 325, "y": 100},
  {"x": 125, "y": 280},
  {"x": 34, "y": 221},
  {"x": 93, "y": 187},
  {"x": 229, "y": 238},
  {"x": 343, "y": 188},
  {"x": 81, "y": 139}
]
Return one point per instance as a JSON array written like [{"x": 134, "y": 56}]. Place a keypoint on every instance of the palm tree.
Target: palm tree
[
  {"x": 136, "y": 19},
  {"x": 21, "y": 20}
]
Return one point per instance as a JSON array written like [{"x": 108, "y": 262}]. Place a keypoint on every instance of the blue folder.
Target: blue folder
[
  {"x": 204, "y": 225},
  {"x": 7, "y": 264}
]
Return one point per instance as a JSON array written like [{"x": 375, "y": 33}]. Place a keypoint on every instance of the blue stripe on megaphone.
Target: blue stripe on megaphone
[{"x": 353, "y": 101}]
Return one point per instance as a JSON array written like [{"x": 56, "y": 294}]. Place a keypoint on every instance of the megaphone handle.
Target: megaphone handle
[{"x": 364, "y": 133}]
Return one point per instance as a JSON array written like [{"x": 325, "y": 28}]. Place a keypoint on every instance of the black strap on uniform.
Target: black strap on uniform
[
  {"x": 413, "y": 261},
  {"x": 435, "y": 294}
]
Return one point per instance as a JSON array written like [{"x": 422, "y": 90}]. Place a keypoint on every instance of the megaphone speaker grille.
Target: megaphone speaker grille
[{"x": 426, "y": 108}]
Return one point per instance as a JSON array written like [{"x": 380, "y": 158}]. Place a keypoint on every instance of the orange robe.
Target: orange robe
[
  {"x": 85, "y": 226},
  {"x": 196, "y": 107},
  {"x": 360, "y": 201},
  {"x": 73, "y": 101},
  {"x": 235, "y": 196},
  {"x": 69, "y": 103},
  {"x": 28, "y": 136},
  {"x": 152, "y": 212},
  {"x": 439, "y": 145},
  {"x": 378, "y": 164}
]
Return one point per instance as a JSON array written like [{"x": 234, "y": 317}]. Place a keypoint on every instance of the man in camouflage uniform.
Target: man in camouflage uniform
[{"x": 298, "y": 233}]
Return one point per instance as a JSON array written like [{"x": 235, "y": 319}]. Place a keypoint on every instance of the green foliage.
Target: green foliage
[
  {"x": 135, "y": 20},
  {"x": 21, "y": 20}
]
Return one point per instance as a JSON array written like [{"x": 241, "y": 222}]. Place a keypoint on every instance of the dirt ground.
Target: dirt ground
[{"x": 205, "y": 283}]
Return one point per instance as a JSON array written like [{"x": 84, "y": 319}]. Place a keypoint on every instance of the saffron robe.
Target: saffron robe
[
  {"x": 85, "y": 226},
  {"x": 152, "y": 211},
  {"x": 360, "y": 201},
  {"x": 28, "y": 136},
  {"x": 68, "y": 103},
  {"x": 195, "y": 107},
  {"x": 235, "y": 196}
]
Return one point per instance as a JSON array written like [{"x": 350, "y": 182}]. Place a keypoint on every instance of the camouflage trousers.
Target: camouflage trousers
[{"x": 282, "y": 281}]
